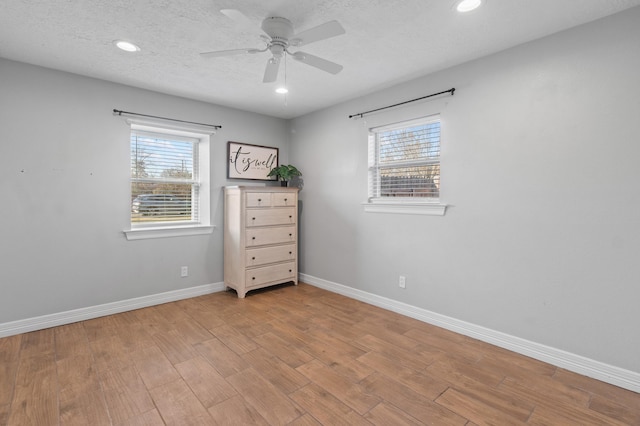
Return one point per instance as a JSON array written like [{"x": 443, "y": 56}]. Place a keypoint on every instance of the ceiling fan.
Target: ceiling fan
[{"x": 279, "y": 37}]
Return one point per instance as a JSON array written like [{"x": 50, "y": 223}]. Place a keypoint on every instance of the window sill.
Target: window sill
[
  {"x": 429, "y": 209},
  {"x": 146, "y": 233}
]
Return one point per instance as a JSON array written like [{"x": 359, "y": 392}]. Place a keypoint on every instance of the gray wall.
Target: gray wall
[
  {"x": 64, "y": 168},
  {"x": 540, "y": 155}
]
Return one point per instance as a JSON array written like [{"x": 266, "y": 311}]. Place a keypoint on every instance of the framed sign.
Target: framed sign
[{"x": 250, "y": 161}]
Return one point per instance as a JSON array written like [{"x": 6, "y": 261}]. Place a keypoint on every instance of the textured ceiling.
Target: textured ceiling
[{"x": 386, "y": 42}]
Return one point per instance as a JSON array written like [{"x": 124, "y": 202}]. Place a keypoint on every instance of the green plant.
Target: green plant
[{"x": 284, "y": 172}]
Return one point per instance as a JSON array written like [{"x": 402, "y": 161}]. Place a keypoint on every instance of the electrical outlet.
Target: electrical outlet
[
  {"x": 184, "y": 271},
  {"x": 402, "y": 283}
]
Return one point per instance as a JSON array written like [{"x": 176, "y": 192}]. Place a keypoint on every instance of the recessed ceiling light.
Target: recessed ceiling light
[
  {"x": 468, "y": 5},
  {"x": 282, "y": 90},
  {"x": 126, "y": 46}
]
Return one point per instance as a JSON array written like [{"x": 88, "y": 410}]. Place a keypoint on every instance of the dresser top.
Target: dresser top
[{"x": 248, "y": 188}]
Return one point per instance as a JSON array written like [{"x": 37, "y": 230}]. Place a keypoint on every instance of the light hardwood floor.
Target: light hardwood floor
[{"x": 285, "y": 355}]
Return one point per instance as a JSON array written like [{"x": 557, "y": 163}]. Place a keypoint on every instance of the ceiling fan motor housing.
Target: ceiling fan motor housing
[{"x": 278, "y": 28}]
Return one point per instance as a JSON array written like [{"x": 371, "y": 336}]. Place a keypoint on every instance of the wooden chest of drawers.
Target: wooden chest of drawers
[{"x": 260, "y": 237}]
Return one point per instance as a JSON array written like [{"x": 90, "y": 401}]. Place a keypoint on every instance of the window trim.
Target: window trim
[
  {"x": 420, "y": 208},
  {"x": 402, "y": 205},
  {"x": 166, "y": 230},
  {"x": 174, "y": 231}
]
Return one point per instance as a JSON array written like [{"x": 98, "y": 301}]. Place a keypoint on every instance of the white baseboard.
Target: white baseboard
[
  {"x": 68, "y": 317},
  {"x": 569, "y": 361}
]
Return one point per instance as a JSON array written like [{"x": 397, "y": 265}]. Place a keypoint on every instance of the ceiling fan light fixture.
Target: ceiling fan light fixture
[
  {"x": 468, "y": 5},
  {"x": 282, "y": 90},
  {"x": 126, "y": 46}
]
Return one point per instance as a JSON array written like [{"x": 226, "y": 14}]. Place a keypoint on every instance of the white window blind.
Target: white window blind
[
  {"x": 404, "y": 161},
  {"x": 164, "y": 179}
]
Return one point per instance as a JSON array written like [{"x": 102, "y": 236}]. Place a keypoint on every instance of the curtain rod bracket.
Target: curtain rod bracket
[
  {"x": 119, "y": 112},
  {"x": 362, "y": 114}
]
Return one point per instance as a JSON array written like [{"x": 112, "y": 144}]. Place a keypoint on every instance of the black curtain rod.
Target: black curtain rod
[
  {"x": 361, "y": 114},
  {"x": 118, "y": 112}
]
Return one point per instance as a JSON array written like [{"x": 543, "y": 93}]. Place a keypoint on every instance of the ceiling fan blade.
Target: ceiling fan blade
[
  {"x": 271, "y": 71},
  {"x": 321, "y": 32},
  {"x": 314, "y": 61},
  {"x": 231, "y": 52}
]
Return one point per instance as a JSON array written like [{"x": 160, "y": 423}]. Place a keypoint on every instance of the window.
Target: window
[
  {"x": 169, "y": 182},
  {"x": 164, "y": 178},
  {"x": 404, "y": 165}
]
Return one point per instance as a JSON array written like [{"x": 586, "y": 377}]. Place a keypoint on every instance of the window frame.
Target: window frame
[
  {"x": 401, "y": 205},
  {"x": 178, "y": 228}
]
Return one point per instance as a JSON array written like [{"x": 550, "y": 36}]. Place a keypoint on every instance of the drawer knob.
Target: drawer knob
[
  {"x": 290, "y": 270},
  {"x": 259, "y": 199},
  {"x": 285, "y": 200},
  {"x": 290, "y": 216},
  {"x": 290, "y": 235},
  {"x": 253, "y": 238},
  {"x": 253, "y": 278},
  {"x": 253, "y": 258},
  {"x": 253, "y": 218},
  {"x": 290, "y": 253}
]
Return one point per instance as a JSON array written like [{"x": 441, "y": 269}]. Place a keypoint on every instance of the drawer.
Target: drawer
[
  {"x": 266, "y": 217},
  {"x": 283, "y": 199},
  {"x": 258, "y": 199},
  {"x": 263, "y": 236},
  {"x": 262, "y": 256},
  {"x": 283, "y": 272}
]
